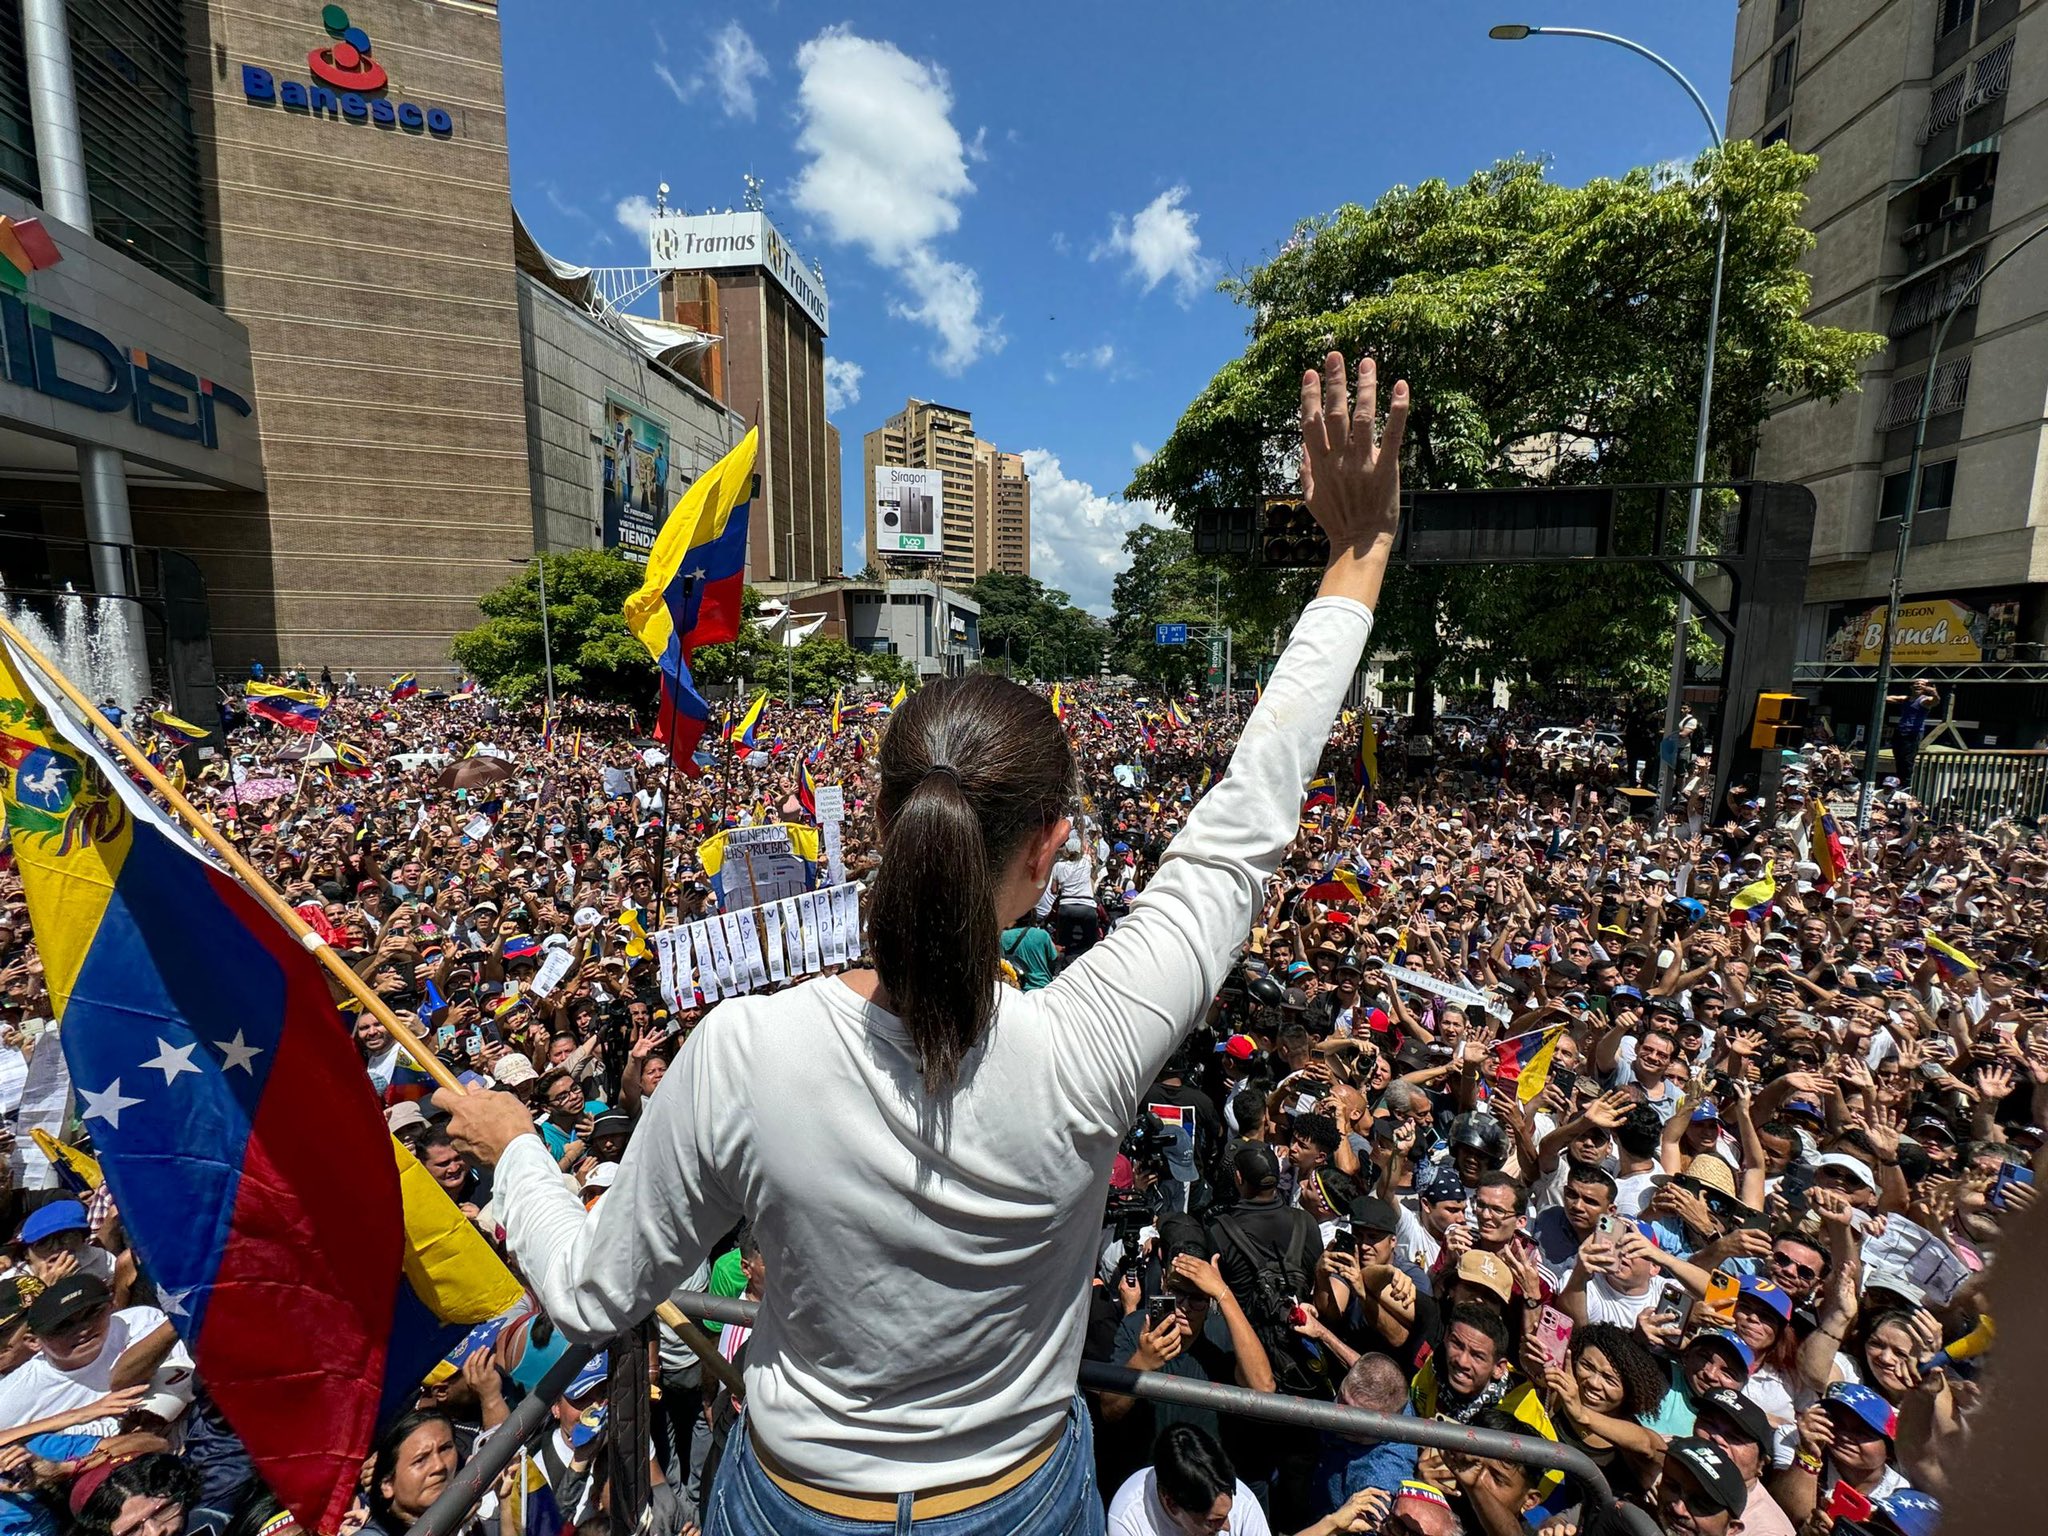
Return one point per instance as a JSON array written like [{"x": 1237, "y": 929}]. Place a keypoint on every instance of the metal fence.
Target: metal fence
[
  {"x": 1603, "y": 1514},
  {"x": 1980, "y": 785}
]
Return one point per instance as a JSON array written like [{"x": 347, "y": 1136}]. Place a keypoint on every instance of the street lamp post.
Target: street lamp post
[
  {"x": 1667, "y": 756},
  {"x": 1898, "y": 587},
  {"x": 547, "y": 648}
]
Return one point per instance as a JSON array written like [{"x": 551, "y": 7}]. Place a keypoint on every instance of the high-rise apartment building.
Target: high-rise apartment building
[
  {"x": 1002, "y": 510},
  {"x": 1930, "y": 119},
  {"x": 926, "y": 435}
]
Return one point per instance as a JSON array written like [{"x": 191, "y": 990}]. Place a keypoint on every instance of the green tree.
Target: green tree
[
  {"x": 1031, "y": 630},
  {"x": 1552, "y": 335},
  {"x": 595, "y": 655},
  {"x": 822, "y": 665}
]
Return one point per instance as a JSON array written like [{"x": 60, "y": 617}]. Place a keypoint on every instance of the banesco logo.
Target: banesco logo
[{"x": 346, "y": 74}]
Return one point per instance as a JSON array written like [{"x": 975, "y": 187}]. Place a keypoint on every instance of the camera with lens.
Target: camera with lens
[{"x": 1148, "y": 1144}]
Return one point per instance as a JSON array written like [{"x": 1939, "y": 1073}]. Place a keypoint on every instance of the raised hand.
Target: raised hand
[{"x": 1351, "y": 474}]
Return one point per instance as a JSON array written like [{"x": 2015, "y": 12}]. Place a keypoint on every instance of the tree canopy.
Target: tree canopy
[
  {"x": 1552, "y": 335},
  {"x": 1161, "y": 583},
  {"x": 1031, "y": 630}
]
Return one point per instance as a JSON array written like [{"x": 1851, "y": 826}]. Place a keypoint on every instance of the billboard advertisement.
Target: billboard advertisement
[
  {"x": 636, "y": 461},
  {"x": 1931, "y": 631},
  {"x": 713, "y": 242},
  {"x": 908, "y": 508}
]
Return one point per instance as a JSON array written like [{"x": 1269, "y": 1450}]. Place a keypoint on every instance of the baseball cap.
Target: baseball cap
[
  {"x": 612, "y": 1123},
  {"x": 1239, "y": 1048},
  {"x": 600, "y": 1177},
  {"x": 1750, "y": 1421},
  {"x": 403, "y": 1117},
  {"x": 1856, "y": 1168},
  {"x": 590, "y": 1378},
  {"x": 1715, "y": 1473},
  {"x": 1257, "y": 1166},
  {"x": 1731, "y": 1343},
  {"x": 48, "y": 1221},
  {"x": 1865, "y": 1405},
  {"x": 1377, "y": 1021},
  {"x": 1485, "y": 1270},
  {"x": 1371, "y": 1214},
  {"x": 1759, "y": 1289},
  {"x": 65, "y": 1302},
  {"x": 512, "y": 1070}
]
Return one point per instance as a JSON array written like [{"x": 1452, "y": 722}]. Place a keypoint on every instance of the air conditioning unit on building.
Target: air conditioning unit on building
[
  {"x": 1914, "y": 233},
  {"x": 1957, "y": 208}
]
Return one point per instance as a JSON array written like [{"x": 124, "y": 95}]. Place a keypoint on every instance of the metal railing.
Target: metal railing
[
  {"x": 1980, "y": 785},
  {"x": 1604, "y": 1513}
]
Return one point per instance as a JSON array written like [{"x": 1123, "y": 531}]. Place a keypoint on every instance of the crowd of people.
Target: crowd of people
[{"x": 1687, "y": 1144}]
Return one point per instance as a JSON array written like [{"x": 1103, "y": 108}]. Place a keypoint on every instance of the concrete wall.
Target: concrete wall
[{"x": 571, "y": 366}]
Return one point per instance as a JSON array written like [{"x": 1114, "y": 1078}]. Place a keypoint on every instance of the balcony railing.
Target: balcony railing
[
  {"x": 1951, "y": 394},
  {"x": 1604, "y": 1515}
]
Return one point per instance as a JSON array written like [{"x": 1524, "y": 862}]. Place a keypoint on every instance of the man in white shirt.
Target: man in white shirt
[
  {"x": 1190, "y": 1489},
  {"x": 83, "y": 1338}
]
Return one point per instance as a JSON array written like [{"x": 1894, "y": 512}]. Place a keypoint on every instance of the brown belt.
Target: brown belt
[{"x": 877, "y": 1508}]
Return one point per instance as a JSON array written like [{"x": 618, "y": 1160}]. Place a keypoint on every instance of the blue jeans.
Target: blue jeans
[{"x": 1059, "y": 1499}]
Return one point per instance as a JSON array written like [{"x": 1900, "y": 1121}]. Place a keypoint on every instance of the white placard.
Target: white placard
[
  {"x": 732, "y": 959},
  {"x": 773, "y": 836},
  {"x": 618, "y": 782},
  {"x": 707, "y": 964},
  {"x": 45, "y": 1093},
  {"x": 849, "y": 898},
  {"x": 792, "y": 935},
  {"x": 1449, "y": 991},
  {"x": 835, "y": 860},
  {"x": 778, "y": 971},
  {"x": 665, "y": 966},
  {"x": 829, "y": 942},
  {"x": 750, "y": 945},
  {"x": 13, "y": 1077},
  {"x": 551, "y": 971},
  {"x": 831, "y": 800},
  {"x": 814, "y": 959},
  {"x": 477, "y": 828}
]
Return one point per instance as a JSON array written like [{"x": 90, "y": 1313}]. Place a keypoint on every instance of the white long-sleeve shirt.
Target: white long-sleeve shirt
[{"x": 929, "y": 1259}]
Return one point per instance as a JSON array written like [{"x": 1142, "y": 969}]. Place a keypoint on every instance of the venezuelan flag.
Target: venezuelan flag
[
  {"x": 232, "y": 1120},
  {"x": 693, "y": 590},
  {"x": 743, "y": 733},
  {"x": 410, "y": 1081},
  {"x": 896, "y": 699},
  {"x": 76, "y": 1171},
  {"x": 257, "y": 690},
  {"x": 1059, "y": 709},
  {"x": 803, "y": 842},
  {"x": 1949, "y": 960},
  {"x": 1202, "y": 785},
  {"x": 405, "y": 685},
  {"x": 1827, "y": 845},
  {"x": 352, "y": 760},
  {"x": 1102, "y": 718},
  {"x": 1752, "y": 904},
  {"x": 838, "y": 699},
  {"x": 1320, "y": 792},
  {"x": 576, "y": 746},
  {"x": 807, "y": 791},
  {"x": 184, "y": 730},
  {"x": 1368, "y": 751},
  {"x": 293, "y": 715},
  {"x": 1342, "y": 885},
  {"x": 1526, "y": 1059}
]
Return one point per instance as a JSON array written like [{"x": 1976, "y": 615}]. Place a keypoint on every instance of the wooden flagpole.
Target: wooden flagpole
[{"x": 325, "y": 953}]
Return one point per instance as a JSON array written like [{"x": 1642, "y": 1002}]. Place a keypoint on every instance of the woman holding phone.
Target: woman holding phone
[{"x": 921, "y": 1150}]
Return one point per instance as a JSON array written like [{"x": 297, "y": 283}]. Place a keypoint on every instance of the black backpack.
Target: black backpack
[{"x": 1277, "y": 1282}]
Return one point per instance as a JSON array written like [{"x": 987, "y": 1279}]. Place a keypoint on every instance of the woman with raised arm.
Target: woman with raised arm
[{"x": 922, "y": 1151}]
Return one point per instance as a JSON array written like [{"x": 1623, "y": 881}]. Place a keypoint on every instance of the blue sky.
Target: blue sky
[{"x": 1022, "y": 209}]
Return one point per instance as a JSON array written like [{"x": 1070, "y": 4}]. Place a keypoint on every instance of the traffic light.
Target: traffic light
[
  {"x": 1780, "y": 722},
  {"x": 1289, "y": 534}
]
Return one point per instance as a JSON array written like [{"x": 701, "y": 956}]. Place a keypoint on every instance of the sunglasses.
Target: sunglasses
[{"x": 1791, "y": 1266}]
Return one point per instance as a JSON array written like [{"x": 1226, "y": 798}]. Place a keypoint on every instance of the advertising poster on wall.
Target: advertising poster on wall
[
  {"x": 908, "y": 505},
  {"x": 636, "y": 460},
  {"x": 1931, "y": 631}
]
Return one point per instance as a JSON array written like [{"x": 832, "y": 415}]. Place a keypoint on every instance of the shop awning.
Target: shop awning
[{"x": 1976, "y": 151}]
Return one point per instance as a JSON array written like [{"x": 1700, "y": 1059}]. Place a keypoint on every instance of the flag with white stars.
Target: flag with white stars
[{"x": 228, "y": 1108}]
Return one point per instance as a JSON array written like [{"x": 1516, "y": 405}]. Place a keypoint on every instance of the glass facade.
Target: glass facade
[
  {"x": 141, "y": 153},
  {"x": 17, "y": 129}
]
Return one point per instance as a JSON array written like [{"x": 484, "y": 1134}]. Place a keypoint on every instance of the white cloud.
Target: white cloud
[
  {"x": 735, "y": 64},
  {"x": 1101, "y": 358},
  {"x": 1077, "y": 534},
  {"x": 842, "y": 384},
  {"x": 731, "y": 69},
  {"x": 1059, "y": 242},
  {"x": 1158, "y": 242},
  {"x": 636, "y": 213},
  {"x": 886, "y": 171},
  {"x": 1139, "y": 452}
]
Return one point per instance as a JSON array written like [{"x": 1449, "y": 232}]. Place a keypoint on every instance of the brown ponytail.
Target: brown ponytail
[{"x": 970, "y": 768}]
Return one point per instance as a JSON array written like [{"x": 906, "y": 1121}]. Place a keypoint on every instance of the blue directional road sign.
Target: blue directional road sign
[{"x": 1169, "y": 634}]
